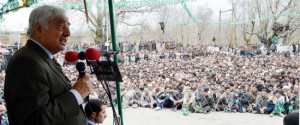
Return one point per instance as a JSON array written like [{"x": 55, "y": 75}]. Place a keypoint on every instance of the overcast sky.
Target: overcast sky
[{"x": 17, "y": 21}]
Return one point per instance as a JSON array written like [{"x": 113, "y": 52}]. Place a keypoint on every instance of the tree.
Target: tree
[
  {"x": 246, "y": 13},
  {"x": 97, "y": 17},
  {"x": 164, "y": 14},
  {"x": 205, "y": 15},
  {"x": 271, "y": 15}
]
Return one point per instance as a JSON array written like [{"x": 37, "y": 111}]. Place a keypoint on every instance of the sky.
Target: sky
[{"x": 18, "y": 21}]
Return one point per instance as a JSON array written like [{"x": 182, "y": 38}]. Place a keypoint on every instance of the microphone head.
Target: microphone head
[
  {"x": 71, "y": 56},
  {"x": 81, "y": 56},
  {"x": 80, "y": 66},
  {"x": 92, "y": 54}
]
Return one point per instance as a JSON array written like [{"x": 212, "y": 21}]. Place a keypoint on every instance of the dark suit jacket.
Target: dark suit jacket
[{"x": 37, "y": 93}]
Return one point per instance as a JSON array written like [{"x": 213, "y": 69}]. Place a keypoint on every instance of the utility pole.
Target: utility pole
[
  {"x": 220, "y": 22},
  {"x": 232, "y": 25},
  {"x": 244, "y": 18}
]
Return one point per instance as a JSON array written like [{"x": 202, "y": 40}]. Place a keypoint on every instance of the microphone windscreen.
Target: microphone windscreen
[
  {"x": 81, "y": 56},
  {"x": 71, "y": 56},
  {"x": 80, "y": 66},
  {"x": 92, "y": 54}
]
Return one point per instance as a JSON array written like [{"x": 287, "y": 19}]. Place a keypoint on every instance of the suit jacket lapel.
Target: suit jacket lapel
[{"x": 49, "y": 61}]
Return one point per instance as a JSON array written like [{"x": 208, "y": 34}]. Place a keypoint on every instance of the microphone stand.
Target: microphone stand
[{"x": 107, "y": 71}]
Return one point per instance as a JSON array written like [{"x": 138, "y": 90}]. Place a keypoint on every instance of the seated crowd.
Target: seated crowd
[
  {"x": 194, "y": 80},
  {"x": 218, "y": 82}
]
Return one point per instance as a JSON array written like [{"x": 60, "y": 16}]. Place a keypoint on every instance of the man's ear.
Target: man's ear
[
  {"x": 94, "y": 114},
  {"x": 37, "y": 28}
]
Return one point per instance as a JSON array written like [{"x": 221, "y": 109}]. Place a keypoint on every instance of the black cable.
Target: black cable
[
  {"x": 110, "y": 99},
  {"x": 109, "y": 94}
]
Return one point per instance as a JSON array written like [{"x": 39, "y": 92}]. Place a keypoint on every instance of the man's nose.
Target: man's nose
[{"x": 66, "y": 32}]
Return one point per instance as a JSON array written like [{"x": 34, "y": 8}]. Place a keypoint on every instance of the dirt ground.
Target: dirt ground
[{"x": 143, "y": 116}]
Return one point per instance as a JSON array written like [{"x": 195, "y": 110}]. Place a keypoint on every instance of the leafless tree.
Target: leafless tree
[
  {"x": 271, "y": 17},
  {"x": 97, "y": 17},
  {"x": 204, "y": 15},
  {"x": 246, "y": 13}
]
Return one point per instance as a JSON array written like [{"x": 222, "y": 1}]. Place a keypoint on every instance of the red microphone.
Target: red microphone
[
  {"x": 71, "y": 56},
  {"x": 92, "y": 54}
]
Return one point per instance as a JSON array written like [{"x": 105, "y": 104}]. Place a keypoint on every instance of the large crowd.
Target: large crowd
[
  {"x": 192, "y": 79},
  {"x": 204, "y": 82}
]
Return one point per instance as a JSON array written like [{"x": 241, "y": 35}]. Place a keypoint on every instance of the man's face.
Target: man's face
[
  {"x": 285, "y": 89},
  {"x": 55, "y": 37},
  {"x": 2, "y": 110},
  {"x": 227, "y": 91},
  {"x": 254, "y": 89},
  {"x": 263, "y": 93},
  {"x": 242, "y": 90},
  {"x": 178, "y": 91},
  {"x": 270, "y": 88},
  {"x": 289, "y": 92},
  {"x": 102, "y": 115}
]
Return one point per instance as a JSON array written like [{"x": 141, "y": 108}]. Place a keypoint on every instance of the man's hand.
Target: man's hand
[
  {"x": 176, "y": 102},
  {"x": 223, "y": 95},
  {"x": 160, "y": 101},
  {"x": 83, "y": 86}
]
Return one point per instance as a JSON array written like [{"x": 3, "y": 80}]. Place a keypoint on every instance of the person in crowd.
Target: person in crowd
[
  {"x": 290, "y": 100},
  {"x": 243, "y": 100},
  {"x": 163, "y": 99},
  {"x": 261, "y": 102},
  {"x": 177, "y": 99},
  {"x": 127, "y": 95},
  {"x": 204, "y": 101},
  {"x": 137, "y": 97},
  {"x": 189, "y": 100},
  {"x": 146, "y": 99},
  {"x": 226, "y": 101},
  {"x": 278, "y": 102}
]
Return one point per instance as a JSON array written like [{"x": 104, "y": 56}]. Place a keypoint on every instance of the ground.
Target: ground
[{"x": 143, "y": 116}]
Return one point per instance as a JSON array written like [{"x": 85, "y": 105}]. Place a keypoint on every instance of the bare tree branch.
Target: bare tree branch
[{"x": 138, "y": 24}]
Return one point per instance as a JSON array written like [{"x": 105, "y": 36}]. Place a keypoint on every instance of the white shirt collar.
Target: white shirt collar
[
  {"x": 46, "y": 50},
  {"x": 91, "y": 122}
]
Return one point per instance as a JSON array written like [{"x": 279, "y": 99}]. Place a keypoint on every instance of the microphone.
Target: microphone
[
  {"x": 71, "y": 56},
  {"x": 80, "y": 66},
  {"x": 81, "y": 56},
  {"x": 92, "y": 54}
]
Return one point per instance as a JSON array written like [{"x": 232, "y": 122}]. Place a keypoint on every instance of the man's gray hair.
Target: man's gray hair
[{"x": 42, "y": 15}]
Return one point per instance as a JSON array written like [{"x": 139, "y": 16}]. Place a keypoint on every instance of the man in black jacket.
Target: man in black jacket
[{"x": 36, "y": 90}]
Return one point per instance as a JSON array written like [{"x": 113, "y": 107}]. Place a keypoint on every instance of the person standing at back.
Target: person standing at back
[
  {"x": 95, "y": 111},
  {"x": 3, "y": 118},
  {"x": 36, "y": 90}
]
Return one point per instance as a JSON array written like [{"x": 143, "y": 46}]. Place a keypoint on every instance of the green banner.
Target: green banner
[{"x": 11, "y": 5}]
